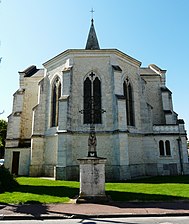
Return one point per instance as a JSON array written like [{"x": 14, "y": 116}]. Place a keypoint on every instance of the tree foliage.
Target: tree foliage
[
  {"x": 7, "y": 180},
  {"x": 3, "y": 132}
]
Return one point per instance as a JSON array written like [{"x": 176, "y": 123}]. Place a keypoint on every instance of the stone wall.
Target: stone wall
[
  {"x": 154, "y": 98},
  {"x": 131, "y": 151},
  {"x": 24, "y": 160}
]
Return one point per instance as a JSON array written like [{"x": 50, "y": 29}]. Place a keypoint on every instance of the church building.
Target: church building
[{"x": 137, "y": 130}]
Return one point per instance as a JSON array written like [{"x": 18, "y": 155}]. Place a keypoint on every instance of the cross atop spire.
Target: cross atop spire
[
  {"x": 92, "y": 12},
  {"x": 92, "y": 41}
]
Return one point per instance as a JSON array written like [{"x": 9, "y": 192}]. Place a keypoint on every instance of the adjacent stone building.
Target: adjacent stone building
[{"x": 139, "y": 134}]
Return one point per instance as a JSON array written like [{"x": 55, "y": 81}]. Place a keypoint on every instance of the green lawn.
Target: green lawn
[
  {"x": 151, "y": 189},
  {"x": 37, "y": 190}
]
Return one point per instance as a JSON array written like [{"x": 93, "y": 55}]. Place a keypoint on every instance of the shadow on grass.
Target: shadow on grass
[
  {"x": 57, "y": 191},
  {"x": 72, "y": 193},
  {"x": 162, "y": 179},
  {"x": 129, "y": 196}
]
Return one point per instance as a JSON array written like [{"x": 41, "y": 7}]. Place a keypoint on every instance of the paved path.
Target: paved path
[{"x": 73, "y": 210}]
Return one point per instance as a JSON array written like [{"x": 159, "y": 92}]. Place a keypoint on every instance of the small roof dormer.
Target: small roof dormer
[{"x": 92, "y": 41}]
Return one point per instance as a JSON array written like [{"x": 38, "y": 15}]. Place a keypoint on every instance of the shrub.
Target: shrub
[{"x": 7, "y": 181}]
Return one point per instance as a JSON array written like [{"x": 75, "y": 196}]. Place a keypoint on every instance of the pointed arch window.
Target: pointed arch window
[
  {"x": 161, "y": 148},
  {"x": 92, "y": 91},
  {"x": 167, "y": 148},
  {"x": 56, "y": 93},
  {"x": 128, "y": 94},
  {"x": 87, "y": 101}
]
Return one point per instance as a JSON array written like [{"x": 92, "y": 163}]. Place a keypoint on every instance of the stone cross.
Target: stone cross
[{"x": 92, "y": 141}]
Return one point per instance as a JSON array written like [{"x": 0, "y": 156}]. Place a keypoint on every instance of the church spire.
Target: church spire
[{"x": 92, "y": 41}]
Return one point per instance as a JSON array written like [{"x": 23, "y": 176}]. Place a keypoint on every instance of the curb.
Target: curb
[{"x": 84, "y": 216}]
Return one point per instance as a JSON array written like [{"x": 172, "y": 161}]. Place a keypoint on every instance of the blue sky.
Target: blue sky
[{"x": 152, "y": 31}]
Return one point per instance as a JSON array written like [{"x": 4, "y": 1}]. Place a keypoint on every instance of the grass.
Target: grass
[
  {"x": 37, "y": 190},
  {"x": 151, "y": 189}
]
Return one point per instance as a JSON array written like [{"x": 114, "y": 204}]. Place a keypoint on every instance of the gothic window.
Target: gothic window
[
  {"x": 97, "y": 101},
  {"x": 128, "y": 94},
  {"x": 56, "y": 93},
  {"x": 87, "y": 101},
  {"x": 92, "y": 92},
  {"x": 161, "y": 148},
  {"x": 167, "y": 148}
]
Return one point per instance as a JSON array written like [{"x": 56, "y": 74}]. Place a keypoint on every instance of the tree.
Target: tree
[
  {"x": 7, "y": 180},
  {"x": 3, "y": 132}
]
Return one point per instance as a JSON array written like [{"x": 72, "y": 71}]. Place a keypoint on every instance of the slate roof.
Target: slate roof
[
  {"x": 92, "y": 41},
  {"x": 32, "y": 71}
]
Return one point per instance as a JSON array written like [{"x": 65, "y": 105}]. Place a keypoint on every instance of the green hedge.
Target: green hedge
[{"x": 7, "y": 181}]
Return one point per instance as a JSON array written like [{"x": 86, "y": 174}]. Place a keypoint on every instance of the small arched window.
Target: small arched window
[
  {"x": 128, "y": 94},
  {"x": 92, "y": 94},
  {"x": 56, "y": 93},
  {"x": 161, "y": 148},
  {"x": 167, "y": 148},
  {"x": 164, "y": 148}
]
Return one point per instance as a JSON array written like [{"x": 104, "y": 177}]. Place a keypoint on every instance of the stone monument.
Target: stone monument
[{"x": 92, "y": 167}]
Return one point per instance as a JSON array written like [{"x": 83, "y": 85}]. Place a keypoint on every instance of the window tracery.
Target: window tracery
[{"x": 92, "y": 91}]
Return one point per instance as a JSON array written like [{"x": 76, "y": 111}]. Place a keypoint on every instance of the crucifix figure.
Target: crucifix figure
[
  {"x": 92, "y": 111},
  {"x": 92, "y": 142}
]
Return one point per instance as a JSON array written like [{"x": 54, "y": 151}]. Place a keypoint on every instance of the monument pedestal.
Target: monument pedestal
[{"x": 92, "y": 180}]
